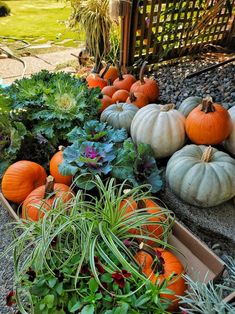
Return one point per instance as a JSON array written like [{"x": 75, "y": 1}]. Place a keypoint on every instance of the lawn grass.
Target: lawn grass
[{"x": 39, "y": 21}]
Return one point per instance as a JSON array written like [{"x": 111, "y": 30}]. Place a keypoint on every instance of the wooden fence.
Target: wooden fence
[{"x": 162, "y": 29}]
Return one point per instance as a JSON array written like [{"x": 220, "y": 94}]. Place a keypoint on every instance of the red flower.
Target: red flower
[
  {"x": 10, "y": 298},
  {"x": 119, "y": 277}
]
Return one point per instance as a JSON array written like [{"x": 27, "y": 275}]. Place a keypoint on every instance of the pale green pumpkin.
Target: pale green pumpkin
[
  {"x": 201, "y": 175},
  {"x": 189, "y": 104},
  {"x": 230, "y": 142},
  {"x": 119, "y": 115},
  {"x": 160, "y": 126}
]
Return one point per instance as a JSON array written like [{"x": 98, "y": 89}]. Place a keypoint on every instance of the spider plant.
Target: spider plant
[
  {"x": 93, "y": 17},
  {"x": 77, "y": 254}
]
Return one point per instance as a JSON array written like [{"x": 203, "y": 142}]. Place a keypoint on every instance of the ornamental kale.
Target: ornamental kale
[
  {"x": 87, "y": 159},
  {"x": 52, "y": 104},
  {"x": 96, "y": 131},
  {"x": 137, "y": 165}
]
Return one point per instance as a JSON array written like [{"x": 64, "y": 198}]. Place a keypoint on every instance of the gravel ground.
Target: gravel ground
[{"x": 219, "y": 83}]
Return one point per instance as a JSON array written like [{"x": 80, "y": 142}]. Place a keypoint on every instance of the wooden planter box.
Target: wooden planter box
[{"x": 200, "y": 262}]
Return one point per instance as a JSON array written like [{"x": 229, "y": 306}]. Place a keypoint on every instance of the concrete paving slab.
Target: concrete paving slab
[{"x": 11, "y": 69}]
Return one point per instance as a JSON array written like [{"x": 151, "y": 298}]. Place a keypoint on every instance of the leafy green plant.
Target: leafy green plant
[
  {"x": 50, "y": 104},
  {"x": 95, "y": 131},
  {"x": 87, "y": 159},
  {"x": 11, "y": 138},
  {"x": 4, "y": 9},
  {"x": 137, "y": 165},
  {"x": 92, "y": 152},
  {"x": 76, "y": 259}
]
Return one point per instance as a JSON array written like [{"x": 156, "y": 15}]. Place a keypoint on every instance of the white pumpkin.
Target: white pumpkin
[
  {"x": 119, "y": 115},
  {"x": 160, "y": 126},
  {"x": 201, "y": 175},
  {"x": 230, "y": 142},
  {"x": 189, "y": 104}
]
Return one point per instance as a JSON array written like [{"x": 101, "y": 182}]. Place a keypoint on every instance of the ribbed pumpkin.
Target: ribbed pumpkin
[
  {"x": 189, "y": 104},
  {"x": 124, "y": 81},
  {"x": 208, "y": 123},
  {"x": 55, "y": 161},
  {"x": 106, "y": 101},
  {"x": 230, "y": 142},
  {"x": 202, "y": 176},
  {"x": 160, "y": 126},
  {"x": 94, "y": 80},
  {"x": 109, "y": 90},
  {"x": 42, "y": 198},
  {"x": 21, "y": 178},
  {"x": 110, "y": 74},
  {"x": 120, "y": 96},
  {"x": 151, "y": 230},
  {"x": 138, "y": 99},
  {"x": 119, "y": 115},
  {"x": 147, "y": 86},
  {"x": 159, "y": 264}
]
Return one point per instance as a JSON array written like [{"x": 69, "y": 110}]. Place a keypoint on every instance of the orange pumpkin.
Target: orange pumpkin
[
  {"x": 109, "y": 90},
  {"x": 147, "y": 86},
  {"x": 124, "y": 81},
  {"x": 56, "y": 160},
  {"x": 208, "y": 124},
  {"x": 167, "y": 264},
  {"x": 106, "y": 101},
  {"x": 41, "y": 199},
  {"x": 154, "y": 230},
  {"x": 110, "y": 74},
  {"x": 120, "y": 96},
  {"x": 138, "y": 99},
  {"x": 21, "y": 178},
  {"x": 94, "y": 80}
]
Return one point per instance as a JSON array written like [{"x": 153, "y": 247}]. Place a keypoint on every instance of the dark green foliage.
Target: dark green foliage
[
  {"x": 11, "y": 137},
  {"x": 4, "y": 9},
  {"x": 137, "y": 165}
]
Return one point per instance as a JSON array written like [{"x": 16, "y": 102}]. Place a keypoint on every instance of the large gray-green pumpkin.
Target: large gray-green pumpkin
[
  {"x": 119, "y": 115},
  {"x": 189, "y": 104},
  {"x": 201, "y": 175},
  {"x": 160, "y": 126}
]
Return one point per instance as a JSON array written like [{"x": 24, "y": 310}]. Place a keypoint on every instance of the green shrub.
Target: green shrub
[{"x": 4, "y": 9}]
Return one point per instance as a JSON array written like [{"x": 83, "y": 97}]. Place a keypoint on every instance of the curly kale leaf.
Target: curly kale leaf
[
  {"x": 11, "y": 137},
  {"x": 51, "y": 104},
  {"x": 96, "y": 131},
  {"x": 87, "y": 159},
  {"x": 137, "y": 165}
]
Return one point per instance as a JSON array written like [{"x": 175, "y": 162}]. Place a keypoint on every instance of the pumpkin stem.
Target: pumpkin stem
[
  {"x": 141, "y": 204},
  {"x": 61, "y": 148},
  {"x": 157, "y": 264},
  {"x": 110, "y": 82},
  {"x": 141, "y": 77},
  {"x": 119, "y": 72},
  {"x": 132, "y": 97},
  {"x": 168, "y": 107},
  {"x": 119, "y": 107},
  {"x": 49, "y": 187},
  {"x": 207, "y": 105},
  {"x": 207, "y": 154},
  {"x": 105, "y": 71}
]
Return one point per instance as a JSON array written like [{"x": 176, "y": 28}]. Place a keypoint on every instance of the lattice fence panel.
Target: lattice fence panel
[{"x": 162, "y": 28}]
